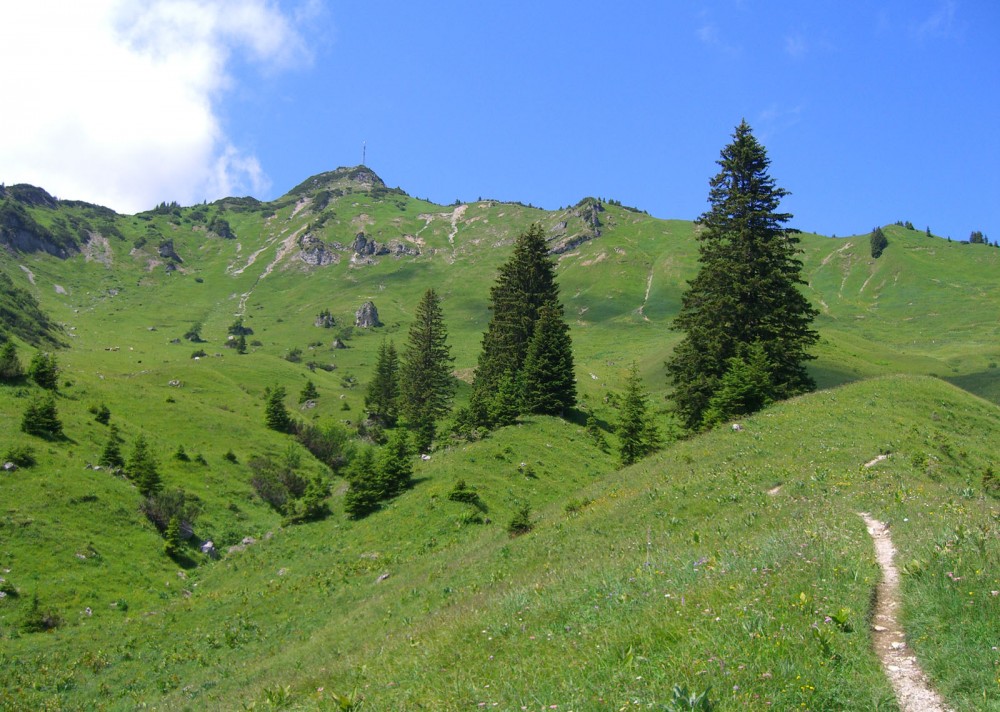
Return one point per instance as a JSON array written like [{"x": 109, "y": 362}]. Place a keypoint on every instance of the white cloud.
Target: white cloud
[
  {"x": 115, "y": 101},
  {"x": 941, "y": 23}
]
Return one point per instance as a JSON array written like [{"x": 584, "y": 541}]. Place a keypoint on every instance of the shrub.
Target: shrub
[
  {"x": 36, "y": 620},
  {"x": 331, "y": 445},
  {"x": 102, "y": 414},
  {"x": 20, "y": 455},
  {"x": 466, "y": 495},
  {"x": 276, "y": 482},
  {"x": 42, "y": 419},
  {"x": 44, "y": 371},
  {"x": 521, "y": 523},
  {"x": 991, "y": 482},
  {"x": 160, "y": 508}
]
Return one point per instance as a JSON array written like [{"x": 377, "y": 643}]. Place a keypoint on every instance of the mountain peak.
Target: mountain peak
[{"x": 353, "y": 178}]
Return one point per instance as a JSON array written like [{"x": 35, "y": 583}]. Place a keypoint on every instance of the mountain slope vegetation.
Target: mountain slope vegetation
[{"x": 681, "y": 569}]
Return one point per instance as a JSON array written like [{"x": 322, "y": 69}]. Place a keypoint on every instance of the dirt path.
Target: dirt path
[
  {"x": 645, "y": 299},
  {"x": 913, "y": 691}
]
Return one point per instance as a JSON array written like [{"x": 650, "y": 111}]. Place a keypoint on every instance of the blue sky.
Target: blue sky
[{"x": 871, "y": 112}]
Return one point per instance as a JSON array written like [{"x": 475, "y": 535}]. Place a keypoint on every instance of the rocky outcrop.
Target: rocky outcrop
[
  {"x": 315, "y": 252},
  {"x": 325, "y": 320},
  {"x": 588, "y": 212},
  {"x": 399, "y": 248},
  {"x": 362, "y": 246},
  {"x": 366, "y": 248},
  {"x": 367, "y": 316},
  {"x": 167, "y": 251}
]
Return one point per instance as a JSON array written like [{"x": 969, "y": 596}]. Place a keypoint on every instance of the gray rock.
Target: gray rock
[{"x": 367, "y": 316}]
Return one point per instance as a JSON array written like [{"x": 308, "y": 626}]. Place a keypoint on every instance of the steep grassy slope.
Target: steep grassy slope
[
  {"x": 579, "y": 610},
  {"x": 682, "y": 569}
]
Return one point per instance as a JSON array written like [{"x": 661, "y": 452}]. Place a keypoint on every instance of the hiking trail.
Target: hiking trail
[{"x": 913, "y": 691}]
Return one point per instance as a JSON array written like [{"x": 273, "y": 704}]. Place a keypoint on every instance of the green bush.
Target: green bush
[{"x": 521, "y": 523}]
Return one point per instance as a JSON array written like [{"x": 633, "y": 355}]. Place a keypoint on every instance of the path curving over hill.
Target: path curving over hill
[{"x": 913, "y": 691}]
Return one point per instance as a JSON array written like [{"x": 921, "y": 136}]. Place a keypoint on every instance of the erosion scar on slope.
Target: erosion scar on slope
[{"x": 913, "y": 691}]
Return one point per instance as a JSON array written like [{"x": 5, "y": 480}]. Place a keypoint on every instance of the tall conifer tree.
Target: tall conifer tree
[
  {"x": 525, "y": 284},
  {"x": 425, "y": 383},
  {"x": 382, "y": 396},
  {"x": 549, "y": 385},
  {"x": 746, "y": 291}
]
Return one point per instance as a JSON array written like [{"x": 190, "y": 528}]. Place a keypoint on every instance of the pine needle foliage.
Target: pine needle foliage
[
  {"x": 142, "y": 468},
  {"x": 426, "y": 386},
  {"x": 41, "y": 418},
  {"x": 549, "y": 385},
  {"x": 11, "y": 370},
  {"x": 637, "y": 433},
  {"x": 276, "y": 416},
  {"x": 382, "y": 396},
  {"x": 524, "y": 289},
  {"x": 746, "y": 290},
  {"x": 878, "y": 242}
]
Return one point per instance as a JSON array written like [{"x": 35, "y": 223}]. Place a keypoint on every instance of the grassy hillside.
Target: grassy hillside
[{"x": 681, "y": 570}]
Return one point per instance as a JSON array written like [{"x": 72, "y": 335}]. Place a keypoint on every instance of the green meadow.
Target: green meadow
[{"x": 731, "y": 564}]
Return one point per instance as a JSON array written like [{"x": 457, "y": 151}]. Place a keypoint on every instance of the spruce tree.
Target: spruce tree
[
  {"x": 746, "y": 290},
  {"x": 549, "y": 384},
  {"x": 11, "y": 370},
  {"x": 637, "y": 433},
  {"x": 426, "y": 386},
  {"x": 142, "y": 469},
  {"x": 363, "y": 494},
  {"x": 111, "y": 455},
  {"x": 308, "y": 392},
  {"x": 382, "y": 396},
  {"x": 878, "y": 242},
  {"x": 41, "y": 418},
  {"x": 395, "y": 467},
  {"x": 44, "y": 370},
  {"x": 172, "y": 538},
  {"x": 525, "y": 284},
  {"x": 276, "y": 416}
]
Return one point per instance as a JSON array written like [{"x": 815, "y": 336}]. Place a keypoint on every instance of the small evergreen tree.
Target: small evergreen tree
[
  {"x": 549, "y": 383},
  {"x": 976, "y": 237},
  {"x": 44, "y": 370},
  {"x": 312, "y": 505},
  {"x": 505, "y": 405},
  {"x": 142, "y": 469},
  {"x": 382, "y": 396},
  {"x": 745, "y": 387},
  {"x": 276, "y": 416},
  {"x": 308, "y": 392},
  {"x": 425, "y": 383},
  {"x": 878, "y": 242},
  {"x": 172, "y": 538},
  {"x": 111, "y": 455},
  {"x": 194, "y": 333},
  {"x": 637, "y": 433},
  {"x": 41, "y": 418},
  {"x": 11, "y": 370},
  {"x": 364, "y": 491},
  {"x": 395, "y": 467},
  {"x": 102, "y": 414}
]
